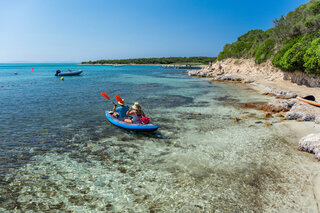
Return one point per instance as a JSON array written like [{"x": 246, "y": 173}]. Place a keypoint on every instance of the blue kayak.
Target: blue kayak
[{"x": 150, "y": 127}]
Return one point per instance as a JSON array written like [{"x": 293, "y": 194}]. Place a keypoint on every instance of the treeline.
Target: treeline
[
  {"x": 292, "y": 44},
  {"x": 167, "y": 60}
]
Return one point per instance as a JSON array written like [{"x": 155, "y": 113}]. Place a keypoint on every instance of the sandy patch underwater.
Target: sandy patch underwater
[{"x": 199, "y": 161}]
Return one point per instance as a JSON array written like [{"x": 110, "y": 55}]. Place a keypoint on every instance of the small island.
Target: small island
[{"x": 164, "y": 60}]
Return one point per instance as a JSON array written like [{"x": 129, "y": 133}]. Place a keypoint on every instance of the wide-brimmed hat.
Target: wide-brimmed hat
[
  {"x": 121, "y": 103},
  {"x": 136, "y": 105}
]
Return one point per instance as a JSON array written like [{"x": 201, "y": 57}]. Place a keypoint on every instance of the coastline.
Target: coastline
[
  {"x": 203, "y": 66},
  {"x": 303, "y": 119},
  {"x": 267, "y": 80},
  {"x": 124, "y": 64}
]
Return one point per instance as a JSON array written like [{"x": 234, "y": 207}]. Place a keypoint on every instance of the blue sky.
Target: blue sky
[{"x": 80, "y": 30}]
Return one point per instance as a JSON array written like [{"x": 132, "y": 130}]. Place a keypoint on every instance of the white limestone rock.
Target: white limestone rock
[{"x": 311, "y": 143}]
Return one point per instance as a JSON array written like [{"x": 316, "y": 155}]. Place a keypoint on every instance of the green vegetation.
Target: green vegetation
[
  {"x": 292, "y": 44},
  {"x": 168, "y": 60},
  {"x": 250, "y": 45}
]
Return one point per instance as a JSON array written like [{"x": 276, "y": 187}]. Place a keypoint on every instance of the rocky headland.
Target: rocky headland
[{"x": 271, "y": 81}]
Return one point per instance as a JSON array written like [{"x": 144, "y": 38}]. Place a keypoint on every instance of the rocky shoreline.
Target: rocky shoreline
[
  {"x": 284, "y": 87},
  {"x": 270, "y": 81}
]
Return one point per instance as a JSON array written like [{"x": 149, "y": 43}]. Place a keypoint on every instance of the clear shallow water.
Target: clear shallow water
[{"x": 59, "y": 152}]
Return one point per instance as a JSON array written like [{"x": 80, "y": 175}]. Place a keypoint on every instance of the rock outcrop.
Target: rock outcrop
[
  {"x": 283, "y": 94},
  {"x": 267, "y": 78},
  {"x": 302, "y": 78},
  {"x": 304, "y": 112},
  {"x": 274, "y": 106},
  {"x": 311, "y": 143}
]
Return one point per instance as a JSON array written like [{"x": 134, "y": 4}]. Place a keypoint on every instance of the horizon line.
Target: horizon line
[{"x": 39, "y": 62}]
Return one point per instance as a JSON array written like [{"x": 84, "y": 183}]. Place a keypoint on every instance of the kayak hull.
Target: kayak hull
[
  {"x": 150, "y": 127},
  {"x": 70, "y": 73},
  {"x": 308, "y": 101}
]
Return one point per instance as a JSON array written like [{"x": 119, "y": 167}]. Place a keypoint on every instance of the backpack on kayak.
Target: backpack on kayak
[{"x": 144, "y": 120}]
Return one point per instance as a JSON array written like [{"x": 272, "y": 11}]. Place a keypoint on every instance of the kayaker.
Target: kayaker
[
  {"x": 120, "y": 112},
  {"x": 135, "y": 112}
]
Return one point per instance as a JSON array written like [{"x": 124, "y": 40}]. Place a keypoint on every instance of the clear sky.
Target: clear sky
[{"x": 81, "y": 30}]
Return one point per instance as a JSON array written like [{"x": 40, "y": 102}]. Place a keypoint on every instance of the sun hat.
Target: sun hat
[
  {"x": 121, "y": 103},
  {"x": 136, "y": 105}
]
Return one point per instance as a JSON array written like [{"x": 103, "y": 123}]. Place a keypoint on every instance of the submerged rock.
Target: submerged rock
[
  {"x": 282, "y": 119},
  {"x": 266, "y": 124},
  {"x": 267, "y": 115},
  {"x": 281, "y": 114},
  {"x": 311, "y": 143},
  {"x": 236, "y": 120},
  {"x": 274, "y": 106},
  {"x": 251, "y": 114},
  {"x": 226, "y": 98}
]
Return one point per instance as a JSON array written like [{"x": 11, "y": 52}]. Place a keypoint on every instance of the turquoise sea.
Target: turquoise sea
[{"x": 59, "y": 153}]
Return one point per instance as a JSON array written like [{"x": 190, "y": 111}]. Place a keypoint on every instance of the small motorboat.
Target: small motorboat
[
  {"x": 150, "y": 127},
  {"x": 70, "y": 73}
]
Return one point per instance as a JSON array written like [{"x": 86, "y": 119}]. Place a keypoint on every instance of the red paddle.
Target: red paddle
[
  {"x": 118, "y": 98},
  {"x": 106, "y": 96}
]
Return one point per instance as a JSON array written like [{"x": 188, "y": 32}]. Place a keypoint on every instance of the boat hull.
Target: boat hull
[
  {"x": 70, "y": 73},
  {"x": 150, "y": 127}
]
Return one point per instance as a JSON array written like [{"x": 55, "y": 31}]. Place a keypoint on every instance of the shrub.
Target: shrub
[
  {"x": 244, "y": 47},
  {"x": 312, "y": 57},
  {"x": 292, "y": 59},
  {"x": 278, "y": 58},
  {"x": 264, "y": 51}
]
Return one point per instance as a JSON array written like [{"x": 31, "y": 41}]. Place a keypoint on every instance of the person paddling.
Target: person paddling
[
  {"x": 121, "y": 111},
  {"x": 135, "y": 112}
]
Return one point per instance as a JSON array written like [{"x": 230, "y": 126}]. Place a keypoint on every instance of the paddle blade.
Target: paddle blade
[
  {"x": 310, "y": 98},
  {"x": 117, "y": 97},
  {"x": 105, "y": 95}
]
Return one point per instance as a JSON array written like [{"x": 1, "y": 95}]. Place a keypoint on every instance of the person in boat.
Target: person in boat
[
  {"x": 135, "y": 112},
  {"x": 57, "y": 72},
  {"x": 121, "y": 111}
]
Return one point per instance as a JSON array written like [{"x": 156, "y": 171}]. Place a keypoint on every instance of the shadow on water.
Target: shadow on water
[
  {"x": 136, "y": 134},
  {"x": 147, "y": 135}
]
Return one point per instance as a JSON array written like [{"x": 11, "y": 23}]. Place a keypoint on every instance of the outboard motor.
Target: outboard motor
[{"x": 57, "y": 72}]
